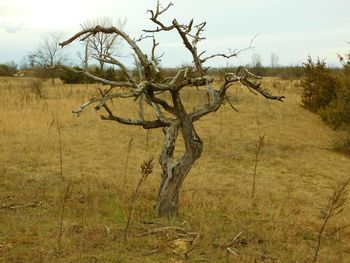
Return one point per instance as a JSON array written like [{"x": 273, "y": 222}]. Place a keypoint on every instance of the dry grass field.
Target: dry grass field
[{"x": 80, "y": 215}]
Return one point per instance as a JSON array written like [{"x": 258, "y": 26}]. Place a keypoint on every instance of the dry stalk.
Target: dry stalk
[
  {"x": 146, "y": 170},
  {"x": 57, "y": 123},
  {"x": 36, "y": 87},
  {"x": 258, "y": 155},
  {"x": 334, "y": 206},
  {"x": 147, "y": 139},
  {"x": 63, "y": 206},
  {"x": 127, "y": 162}
]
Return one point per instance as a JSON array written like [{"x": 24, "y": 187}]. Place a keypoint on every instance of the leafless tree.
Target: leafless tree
[
  {"x": 48, "y": 53},
  {"x": 163, "y": 97},
  {"x": 256, "y": 61},
  {"x": 274, "y": 60},
  {"x": 101, "y": 44},
  {"x": 256, "y": 64}
]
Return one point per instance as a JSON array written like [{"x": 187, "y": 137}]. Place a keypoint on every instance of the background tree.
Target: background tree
[
  {"x": 48, "y": 54},
  {"x": 164, "y": 97},
  {"x": 274, "y": 60},
  {"x": 8, "y": 69},
  {"x": 319, "y": 85},
  {"x": 256, "y": 64},
  {"x": 101, "y": 44}
]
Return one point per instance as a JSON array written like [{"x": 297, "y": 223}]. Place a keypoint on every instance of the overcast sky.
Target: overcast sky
[{"x": 293, "y": 29}]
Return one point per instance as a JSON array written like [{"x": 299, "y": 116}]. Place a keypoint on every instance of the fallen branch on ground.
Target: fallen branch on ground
[{"x": 15, "y": 206}]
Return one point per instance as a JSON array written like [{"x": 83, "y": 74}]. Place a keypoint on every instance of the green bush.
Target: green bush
[
  {"x": 319, "y": 85},
  {"x": 8, "y": 69},
  {"x": 68, "y": 77},
  {"x": 327, "y": 92},
  {"x": 72, "y": 78}
]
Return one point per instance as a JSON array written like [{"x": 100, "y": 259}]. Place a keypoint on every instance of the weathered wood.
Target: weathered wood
[{"x": 170, "y": 113}]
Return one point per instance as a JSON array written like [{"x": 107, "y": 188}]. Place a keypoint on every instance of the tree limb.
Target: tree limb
[
  {"x": 112, "y": 30},
  {"x": 110, "y": 60},
  {"x": 93, "y": 77},
  {"x": 145, "y": 124}
]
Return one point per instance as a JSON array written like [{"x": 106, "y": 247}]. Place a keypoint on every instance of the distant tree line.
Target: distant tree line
[{"x": 8, "y": 69}]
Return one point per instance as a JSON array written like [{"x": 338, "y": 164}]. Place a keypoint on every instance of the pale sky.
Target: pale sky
[{"x": 293, "y": 29}]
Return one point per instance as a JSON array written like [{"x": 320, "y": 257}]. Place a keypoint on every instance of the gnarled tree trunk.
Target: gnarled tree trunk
[{"x": 174, "y": 173}]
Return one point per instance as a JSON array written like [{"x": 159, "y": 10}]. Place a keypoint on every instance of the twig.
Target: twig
[
  {"x": 127, "y": 162},
  {"x": 334, "y": 207},
  {"x": 64, "y": 202},
  {"x": 168, "y": 228},
  {"x": 147, "y": 139},
  {"x": 57, "y": 123},
  {"x": 146, "y": 170},
  {"x": 229, "y": 245},
  {"x": 232, "y": 241},
  {"x": 229, "y": 250},
  {"x": 15, "y": 206},
  {"x": 258, "y": 155}
]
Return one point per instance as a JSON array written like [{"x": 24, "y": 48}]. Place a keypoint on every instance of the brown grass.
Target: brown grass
[{"x": 299, "y": 169}]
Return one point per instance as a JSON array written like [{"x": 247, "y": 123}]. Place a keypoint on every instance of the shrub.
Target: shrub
[
  {"x": 327, "y": 92},
  {"x": 8, "y": 69},
  {"x": 72, "y": 78},
  {"x": 319, "y": 85}
]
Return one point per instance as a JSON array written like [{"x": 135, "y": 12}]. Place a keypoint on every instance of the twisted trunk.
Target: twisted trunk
[{"x": 174, "y": 173}]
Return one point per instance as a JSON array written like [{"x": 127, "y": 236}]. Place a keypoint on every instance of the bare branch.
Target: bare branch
[
  {"x": 154, "y": 18},
  {"x": 231, "y": 53},
  {"x": 188, "y": 45},
  {"x": 155, "y": 60},
  {"x": 104, "y": 104},
  {"x": 110, "y": 60},
  {"x": 101, "y": 101},
  {"x": 112, "y": 30},
  {"x": 217, "y": 97},
  {"x": 161, "y": 102},
  {"x": 98, "y": 79},
  {"x": 258, "y": 88},
  {"x": 197, "y": 36},
  {"x": 229, "y": 103},
  {"x": 145, "y": 124}
]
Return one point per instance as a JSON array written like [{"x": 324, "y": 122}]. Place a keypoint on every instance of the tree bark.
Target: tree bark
[{"x": 174, "y": 173}]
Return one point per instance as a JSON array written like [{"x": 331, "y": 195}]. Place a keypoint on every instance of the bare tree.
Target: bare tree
[
  {"x": 101, "y": 44},
  {"x": 48, "y": 53},
  {"x": 170, "y": 113},
  {"x": 256, "y": 60},
  {"x": 274, "y": 60},
  {"x": 256, "y": 64}
]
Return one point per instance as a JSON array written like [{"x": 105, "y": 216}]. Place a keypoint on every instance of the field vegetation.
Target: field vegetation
[{"x": 67, "y": 183}]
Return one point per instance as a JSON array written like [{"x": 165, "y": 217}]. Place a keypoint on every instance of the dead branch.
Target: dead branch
[
  {"x": 257, "y": 87},
  {"x": 110, "y": 60},
  {"x": 231, "y": 53},
  {"x": 145, "y": 124},
  {"x": 110, "y": 30},
  {"x": 230, "y": 250},
  {"x": 231, "y": 243},
  {"x": 229, "y": 103},
  {"x": 154, "y": 18},
  {"x": 93, "y": 77},
  {"x": 101, "y": 101},
  {"x": 165, "y": 229},
  {"x": 16, "y": 206}
]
